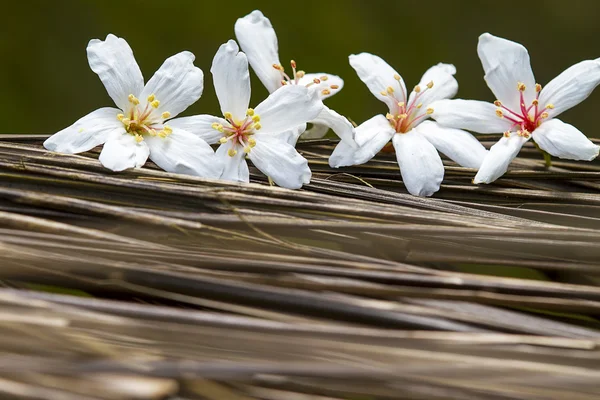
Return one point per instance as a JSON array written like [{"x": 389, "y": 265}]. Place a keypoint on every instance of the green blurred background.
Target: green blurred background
[{"x": 46, "y": 84}]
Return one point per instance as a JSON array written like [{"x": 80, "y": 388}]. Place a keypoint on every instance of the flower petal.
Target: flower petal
[
  {"x": 444, "y": 86},
  {"x": 339, "y": 124},
  {"x": 88, "y": 132},
  {"x": 201, "y": 126},
  {"x": 472, "y": 115},
  {"x": 259, "y": 41},
  {"x": 378, "y": 76},
  {"x": 495, "y": 164},
  {"x": 456, "y": 144},
  {"x": 177, "y": 84},
  {"x": 571, "y": 87},
  {"x": 291, "y": 135},
  {"x": 113, "y": 61},
  {"x": 287, "y": 108},
  {"x": 184, "y": 153},
  {"x": 420, "y": 164},
  {"x": 236, "y": 167},
  {"x": 372, "y": 135},
  {"x": 317, "y": 131},
  {"x": 506, "y": 63},
  {"x": 327, "y": 85},
  {"x": 564, "y": 141},
  {"x": 122, "y": 152},
  {"x": 231, "y": 78},
  {"x": 280, "y": 161}
]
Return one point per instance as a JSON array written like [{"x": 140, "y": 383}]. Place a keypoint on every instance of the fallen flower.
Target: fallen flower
[
  {"x": 523, "y": 109},
  {"x": 416, "y": 140},
  {"x": 138, "y": 129},
  {"x": 259, "y": 41}
]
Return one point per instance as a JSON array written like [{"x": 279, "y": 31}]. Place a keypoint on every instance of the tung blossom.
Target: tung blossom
[
  {"x": 258, "y": 40},
  {"x": 415, "y": 139},
  {"x": 262, "y": 133},
  {"x": 141, "y": 126},
  {"x": 523, "y": 109}
]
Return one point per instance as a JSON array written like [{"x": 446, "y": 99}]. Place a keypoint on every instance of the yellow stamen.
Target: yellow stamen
[
  {"x": 231, "y": 152},
  {"x": 389, "y": 116},
  {"x": 334, "y": 87},
  {"x": 151, "y": 98},
  {"x": 325, "y": 92},
  {"x": 317, "y": 81},
  {"x": 401, "y": 104},
  {"x": 419, "y": 105},
  {"x": 507, "y": 134},
  {"x": 300, "y": 74},
  {"x": 256, "y": 118},
  {"x": 133, "y": 99},
  {"x": 155, "y": 103},
  {"x": 250, "y": 112},
  {"x": 228, "y": 115},
  {"x": 417, "y": 89},
  {"x": 538, "y": 87},
  {"x": 397, "y": 77},
  {"x": 545, "y": 115},
  {"x": 535, "y": 102},
  {"x": 247, "y": 149},
  {"x": 499, "y": 113},
  {"x": 498, "y": 103},
  {"x": 324, "y": 77},
  {"x": 383, "y": 93},
  {"x": 293, "y": 64},
  {"x": 120, "y": 117},
  {"x": 139, "y": 138},
  {"x": 429, "y": 111},
  {"x": 257, "y": 126},
  {"x": 166, "y": 115},
  {"x": 167, "y": 129},
  {"x": 223, "y": 140},
  {"x": 430, "y": 85},
  {"x": 390, "y": 89},
  {"x": 550, "y": 106},
  {"x": 252, "y": 142},
  {"x": 521, "y": 86}
]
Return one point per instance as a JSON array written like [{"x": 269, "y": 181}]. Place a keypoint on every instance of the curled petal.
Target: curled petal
[
  {"x": 184, "y": 153},
  {"x": 326, "y": 84},
  {"x": 506, "y": 64},
  {"x": 231, "y": 79},
  {"x": 371, "y": 136},
  {"x": 201, "y": 126},
  {"x": 280, "y": 161},
  {"x": 564, "y": 141},
  {"x": 379, "y": 76},
  {"x": 287, "y": 108},
  {"x": 176, "y": 85},
  {"x": 234, "y": 168},
  {"x": 420, "y": 164},
  {"x": 123, "y": 152},
  {"x": 340, "y": 125},
  {"x": 472, "y": 115},
  {"x": 495, "y": 164},
  {"x": 113, "y": 61},
  {"x": 571, "y": 87},
  {"x": 291, "y": 136},
  {"x": 259, "y": 41},
  {"x": 317, "y": 131},
  {"x": 88, "y": 132},
  {"x": 456, "y": 144},
  {"x": 444, "y": 86}
]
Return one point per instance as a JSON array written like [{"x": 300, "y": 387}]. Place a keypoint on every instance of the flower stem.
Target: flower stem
[{"x": 547, "y": 157}]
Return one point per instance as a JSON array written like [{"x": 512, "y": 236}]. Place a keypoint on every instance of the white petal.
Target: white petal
[
  {"x": 88, "y": 132},
  {"x": 506, "y": 63},
  {"x": 200, "y": 125},
  {"x": 378, "y": 76},
  {"x": 123, "y": 152},
  {"x": 372, "y": 135},
  {"x": 280, "y": 161},
  {"x": 458, "y": 145},
  {"x": 445, "y": 85},
  {"x": 339, "y": 124},
  {"x": 291, "y": 135},
  {"x": 420, "y": 164},
  {"x": 328, "y": 84},
  {"x": 317, "y": 131},
  {"x": 564, "y": 141},
  {"x": 287, "y": 108},
  {"x": 236, "y": 167},
  {"x": 177, "y": 84},
  {"x": 571, "y": 87},
  {"x": 259, "y": 41},
  {"x": 495, "y": 164},
  {"x": 472, "y": 115},
  {"x": 183, "y": 153},
  {"x": 113, "y": 61},
  {"x": 231, "y": 78}
]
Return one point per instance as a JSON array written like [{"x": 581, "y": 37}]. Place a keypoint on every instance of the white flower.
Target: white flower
[
  {"x": 261, "y": 133},
  {"x": 523, "y": 110},
  {"x": 258, "y": 40},
  {"x": 415, "y": 140},
  {"x": 137, "y": 129}
]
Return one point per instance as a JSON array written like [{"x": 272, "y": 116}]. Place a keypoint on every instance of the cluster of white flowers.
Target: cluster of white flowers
[{"x": 144, "y": 125}]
